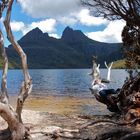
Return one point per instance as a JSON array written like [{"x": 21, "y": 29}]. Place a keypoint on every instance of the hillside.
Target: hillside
[
  {"x": 11, "y": 63},
  {"x": 119, "y": 64},
  {"x": 72, "y": 50}
]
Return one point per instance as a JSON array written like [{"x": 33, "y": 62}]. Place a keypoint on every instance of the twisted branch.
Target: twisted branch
[{"x": 27, "y": 84}]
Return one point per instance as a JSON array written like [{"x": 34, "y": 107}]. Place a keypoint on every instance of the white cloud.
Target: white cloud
[
  {"x": 54, "y": 35},
  {"x": 49, "y": 8},
  {"x": 86, "y": 19},
  {"x": 112, "y": 33},
  {"x": 69, "y": 20},
  {"x": 47, "y": 25},
  {"x": 17, "y": 26},
  {"x": 67, "y": 12},
  {"x": 83, "y": 17}
]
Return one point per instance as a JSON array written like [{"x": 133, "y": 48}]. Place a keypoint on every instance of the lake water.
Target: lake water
[{"x": 62, "y": 82}]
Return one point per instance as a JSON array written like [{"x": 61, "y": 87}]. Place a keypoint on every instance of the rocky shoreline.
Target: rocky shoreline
[
  {"x": 51, "y": 126},
  {"x": 55, "y": 118}
]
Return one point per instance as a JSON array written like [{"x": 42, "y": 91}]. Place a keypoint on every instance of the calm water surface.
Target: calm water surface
[{"x": 62, "y": 82}]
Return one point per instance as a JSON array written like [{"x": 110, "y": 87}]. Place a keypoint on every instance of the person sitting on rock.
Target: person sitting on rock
[{"x": 104, "y": 95}]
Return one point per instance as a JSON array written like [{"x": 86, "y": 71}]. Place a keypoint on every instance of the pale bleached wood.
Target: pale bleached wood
[
  {"x": 16, "y": 129},
  {"x": 95, "y": 71},
  {"x": 109, "y": 70},
  {"x": 4, "y": 94},
  {"x": 27, "y": 84}
]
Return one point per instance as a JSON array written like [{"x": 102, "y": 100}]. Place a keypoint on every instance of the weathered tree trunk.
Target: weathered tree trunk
[
  {"x": 16, "y": 129},
  {"x": 129, "y": 98},
  {"x": 4, "y": 94},
  {"x": 95, "y": 73},
  {"x": 109, "y": 70}
]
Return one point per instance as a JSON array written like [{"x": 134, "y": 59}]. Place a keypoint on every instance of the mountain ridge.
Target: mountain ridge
[{"x": 73, "y": 50}]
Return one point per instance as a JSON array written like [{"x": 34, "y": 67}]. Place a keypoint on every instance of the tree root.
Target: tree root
[
  {"x": 131, "y": 136},
  {"x": 132, "y": 122},
  {"x": 117, "y": 134},
  {"x": 121, "y": 130},
  {"x": 56, "y": 132},
  {"x": 5, "y": 134}
]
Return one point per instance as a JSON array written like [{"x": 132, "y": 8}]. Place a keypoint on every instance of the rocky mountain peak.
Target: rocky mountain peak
[
  {"x": 70, "y": 35},
  {"x": 34, "y": 35}
]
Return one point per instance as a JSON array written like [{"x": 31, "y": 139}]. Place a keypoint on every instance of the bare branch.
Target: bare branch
[
  {"x": 109, "y": 70},
  {"x": 15, "y": 43},
  {"x": 115, "y": 9},
  {"x": 21, "y": 99},
  {"x": 27, "y": 84},
  {"x": 16, "y": 129},
  {"x": 4, "y": 95},
  {"x": 111, "y": 65},
  {"x": 106, "y": 65}
]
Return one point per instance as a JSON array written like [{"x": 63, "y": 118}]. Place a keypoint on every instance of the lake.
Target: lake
[
  {"x": 63, "y": 91},
  {"x": 62, "y": 82}
]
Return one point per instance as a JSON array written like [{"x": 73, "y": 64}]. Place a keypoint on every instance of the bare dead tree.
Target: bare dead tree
[
  {"x": 129, "y": 11},
  {"x": 16, "y": 129},
  {"x": 95, "y": 69},
  {"x": 109, "y": 70}
]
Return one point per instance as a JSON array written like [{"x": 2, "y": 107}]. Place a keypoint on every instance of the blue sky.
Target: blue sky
[{"x": 53, "y": 16}]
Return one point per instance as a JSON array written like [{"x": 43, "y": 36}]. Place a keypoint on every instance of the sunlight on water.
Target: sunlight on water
[{"x": 64, "y": 82}]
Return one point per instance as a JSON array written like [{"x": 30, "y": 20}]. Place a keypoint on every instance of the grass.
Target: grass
[
  {"x": 11, "y": 64},
  {"x": 119, "y": 64}
]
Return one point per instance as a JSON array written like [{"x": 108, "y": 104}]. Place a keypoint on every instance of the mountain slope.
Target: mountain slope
[{"x": 73, "y": 50}]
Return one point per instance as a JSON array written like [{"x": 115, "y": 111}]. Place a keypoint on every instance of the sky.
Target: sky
[{"x": 54, "y": 16}]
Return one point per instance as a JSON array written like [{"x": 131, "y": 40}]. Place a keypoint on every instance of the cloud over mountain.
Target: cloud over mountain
[
  {"x": 51, "y": 15},
  {"x": 47, "y": 25},
  {"x": 86, "y": 18},
  {"x": 112, "y": 33},
  {"x": 45, "y": 8}
]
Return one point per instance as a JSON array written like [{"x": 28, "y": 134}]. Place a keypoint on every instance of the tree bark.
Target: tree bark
[
  {"x": 27, "y": 83},
  {"x": 109, "y": 70},
  {"x": 4, "y": 94},
  {"x": 16, "y": 129},
  {"x": 127, "y": 101},
  {"x": 130, "y": 96}
]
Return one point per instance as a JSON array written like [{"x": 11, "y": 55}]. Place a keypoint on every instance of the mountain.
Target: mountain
[
  {"x": 72, "y": 50},
  {"x": 73, "y": 36}
]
